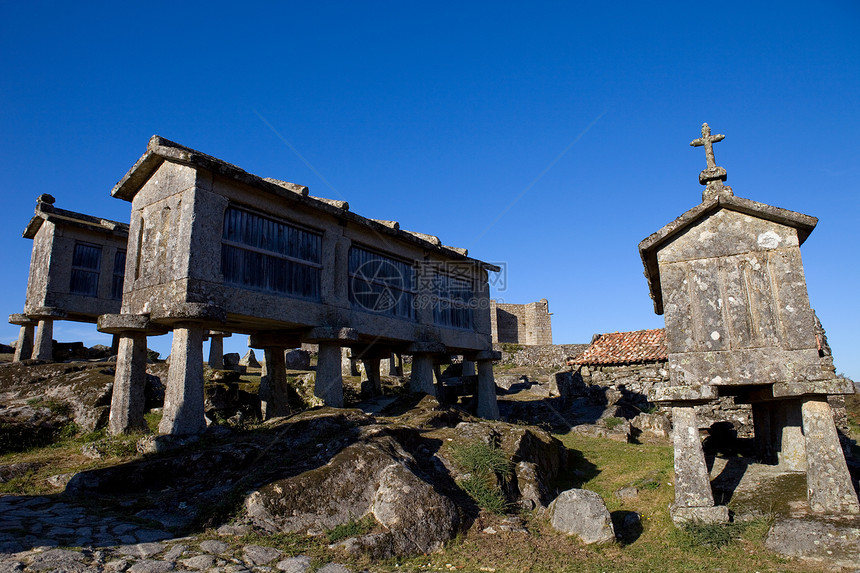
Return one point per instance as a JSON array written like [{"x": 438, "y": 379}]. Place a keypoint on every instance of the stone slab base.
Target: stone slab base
[
  {"x": 713, "y": 514},
  {"x": 834, "y": 541}
]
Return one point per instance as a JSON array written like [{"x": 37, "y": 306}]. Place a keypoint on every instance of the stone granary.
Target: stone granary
[
  {"x": 729, "y": 278},
  {"x": 76, "y": 273},
  {"x": 213, "y": 247},
  {"x": 528, "y": 324}
]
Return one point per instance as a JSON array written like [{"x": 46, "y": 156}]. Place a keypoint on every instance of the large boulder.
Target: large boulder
[
  {"x": 249, "y": 360},
  {"x": 582, "y": 513},
  {"x": 834, "y": 541},
  {"x": 373, "y": 476},
  {"x": 298, "y": 359}
]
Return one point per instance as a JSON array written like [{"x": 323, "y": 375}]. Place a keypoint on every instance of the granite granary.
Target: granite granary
[
  {"x": 212, "y": 247},
  {"x": 728, "y": 277},
  {"x": 76, "y": 273}
]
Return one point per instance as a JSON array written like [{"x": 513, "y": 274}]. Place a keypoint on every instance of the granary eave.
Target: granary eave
[
  {"x": 62, "y": 217},
  {"x": 648, "y": 248},
  {"x": 160, "y": 149}
]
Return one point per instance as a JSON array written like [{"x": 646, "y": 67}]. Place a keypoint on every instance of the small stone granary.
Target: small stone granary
[
  {"x": 76, "y": 273},
  {"x": 212, "y": 247},
  {"x": 729, "y": 278}
]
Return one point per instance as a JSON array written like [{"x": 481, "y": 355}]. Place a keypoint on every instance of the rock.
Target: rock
[
  {"x": 297, "y": 564},
  {"x": 142, "y": 550},
  {"x": 257, "y": 555},
  {"x": 198, "y": 562},
  {"x": 627, "y": 493},
  {"x": 213, "y": 546},
  {"x": 99, "y": 351},
  {"x": 582, "y": 513},
  {"x": 654, "y": 424},
  {"x": 58, "y": 560},
  {"x": 12, "y": 471},
  {"x": 835, "y": 542},
  {"x": 333, "y": 568},
  {"x": 249, "y": 360},
  {"x": 373, "y": 476},
  {"x": 297, "y": 359},
  {"x": 59, "y": 480},
  {"x": 151, "y": 566}
]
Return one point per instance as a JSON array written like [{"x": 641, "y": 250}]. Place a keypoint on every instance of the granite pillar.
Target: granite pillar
[
  {"x": 371, "y": 371},
  {"x": 694, "y": 500},
  {"x": 329, "y": 379},
  {"x": 127, "y": 405},
  {"x": 828, "y": 482},
  {"x": 24, "y": 348},
  {"x": 183, "y": 397},
  {"x": 44, "y": 346},
  {"x": 421, "y": 379},
  {"x": 395, "y": 365},
  {"x": 488, "y": 408},
  {"x": 791, "y": 453},
  {"x": 468, "y": 367},
  {"x": 216, "y": 349},
  {"x": 274, "y": 390}
]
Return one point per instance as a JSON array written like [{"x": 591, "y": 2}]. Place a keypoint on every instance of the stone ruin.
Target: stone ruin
[
  {"x": 77, "y": 268},
  {"x": 728, "y": 276},
  {"x": 214, "y": 248},
  {"x": 528, "y": 324}
]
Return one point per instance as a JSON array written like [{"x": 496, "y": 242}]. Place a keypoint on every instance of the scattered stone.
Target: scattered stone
[
  {"x": 151, "y": 566},
  {"x": 298, "y": 359},
  {"x": 297, "y": 564},
  {"x": 627, "y": 493},
  {"x": 333, "y": 568},
  {"x": 213, "y": 546},
  {"x": 582, "y": 513},
  {"x": 148, "y": 535},
  {"x": 116, "y": 565},
  {"x": 198, "y": 562},
  {"x": 249, "y": 360},
  {"x": 257, "y": 555},
  {"x": 58, "y": 560},
  {"x": 175, "y": 552},
  {"x": 235, "y": 530},
  {"x": 142, "y": 550},
  {"x": 59, "y": 480},
  {"x": 835, "y": 542}
]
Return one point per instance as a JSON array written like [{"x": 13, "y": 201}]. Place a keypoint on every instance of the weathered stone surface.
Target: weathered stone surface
[
  {"x": 58, "y": 560},
  {"x": 692, "y": 482},
  {"x": 297, "y": 359},
  {"x": 652, "y": 424},
  {"x": 582, "y": 513},
  {"x": 249, "y": 360},
  {"x": 297, "y": 564},
  {"x": 258, "y": 555},
  {"x": 198, "y": 562},
  {"x": 213, "y": 546},
  {"x": 416, "y": 517},
  {"x": 834, "y": 542}
]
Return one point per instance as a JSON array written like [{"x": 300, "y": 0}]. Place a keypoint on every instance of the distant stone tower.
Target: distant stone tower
[
  {"x": 729, "y": 278},
  {"x": 529, "y": 324}
]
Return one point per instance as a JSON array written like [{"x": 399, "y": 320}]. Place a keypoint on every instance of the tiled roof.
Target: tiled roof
[{"x": 625, "y": 348}]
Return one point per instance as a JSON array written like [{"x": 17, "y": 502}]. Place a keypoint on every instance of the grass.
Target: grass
[
  {"x": 612, "y": 422},
  {"x": 485, "y": 465},
  {"x": 352, "y": 528}
]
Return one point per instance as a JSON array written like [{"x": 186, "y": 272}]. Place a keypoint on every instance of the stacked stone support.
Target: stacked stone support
[
  {"x": 43, "y": 349},
  {"x": 24, "y": 347},
  {"x": 216, "y": 348},
  {"x": 328, "y": 385}
]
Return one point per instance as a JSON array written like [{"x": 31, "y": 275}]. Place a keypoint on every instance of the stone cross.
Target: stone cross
[{"x": 708, "y": 141}]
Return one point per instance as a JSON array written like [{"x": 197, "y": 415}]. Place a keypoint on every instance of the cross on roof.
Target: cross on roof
[{"x": 708, "y": 141}]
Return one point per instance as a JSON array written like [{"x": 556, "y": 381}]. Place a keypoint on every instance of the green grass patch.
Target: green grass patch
[
  {"x": 486, "y": 494},
  {"x": 352, "y": 528},
  {"x": 486, "y": 465},
  {"x": 612, "y": 422}
]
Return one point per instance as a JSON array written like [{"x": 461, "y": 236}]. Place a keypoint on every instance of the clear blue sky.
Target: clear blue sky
[{"x": 550, "y": 136}]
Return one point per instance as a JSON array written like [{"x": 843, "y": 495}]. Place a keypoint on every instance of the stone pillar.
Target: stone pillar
[
  {"x": 694, "y": 500},
  {"x": 488, "y": 408},
  {"x": 127, "y": 405},
  {"x": 827, "y": 479},
  {"x": 114, "y": 344},
  {"x": 421, "y": 379},
  {"x": 24, "y": 348},
  {"x": 329, "y": 379},
  {"x": 788, "y": 427},
  {"x": 468, "y": 367},
  {"x": 44, "y": 347},
  {"x": 371, "y": 371},
  {"x": 762, "y": 433},
  {"x": 183, "y": 397},
  {"x": 395, "y": 365},
  {"x": 216, "y": 349},
  {"x": 274, "y": 390}
]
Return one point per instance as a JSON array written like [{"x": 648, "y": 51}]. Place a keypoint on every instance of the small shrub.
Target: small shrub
[{"x": 612, "y": 422}]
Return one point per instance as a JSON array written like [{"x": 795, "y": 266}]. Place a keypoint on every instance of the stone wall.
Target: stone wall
[
  {"x": 545, "y": 355},
  {"x": 521, "y": 323}
]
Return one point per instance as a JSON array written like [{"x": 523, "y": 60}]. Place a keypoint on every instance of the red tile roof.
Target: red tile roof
[{"x": 625, "y": 348}]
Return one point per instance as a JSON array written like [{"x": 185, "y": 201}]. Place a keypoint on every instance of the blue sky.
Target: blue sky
[{"x": 549, "y": 136}]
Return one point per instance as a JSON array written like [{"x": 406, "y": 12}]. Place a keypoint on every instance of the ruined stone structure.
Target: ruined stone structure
[
  {"x": 212, "y": 247},
  {"x": 729, "y": 278},
  {"x": 528, "y": 324},
  {"x": 76, "y": 273}
]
